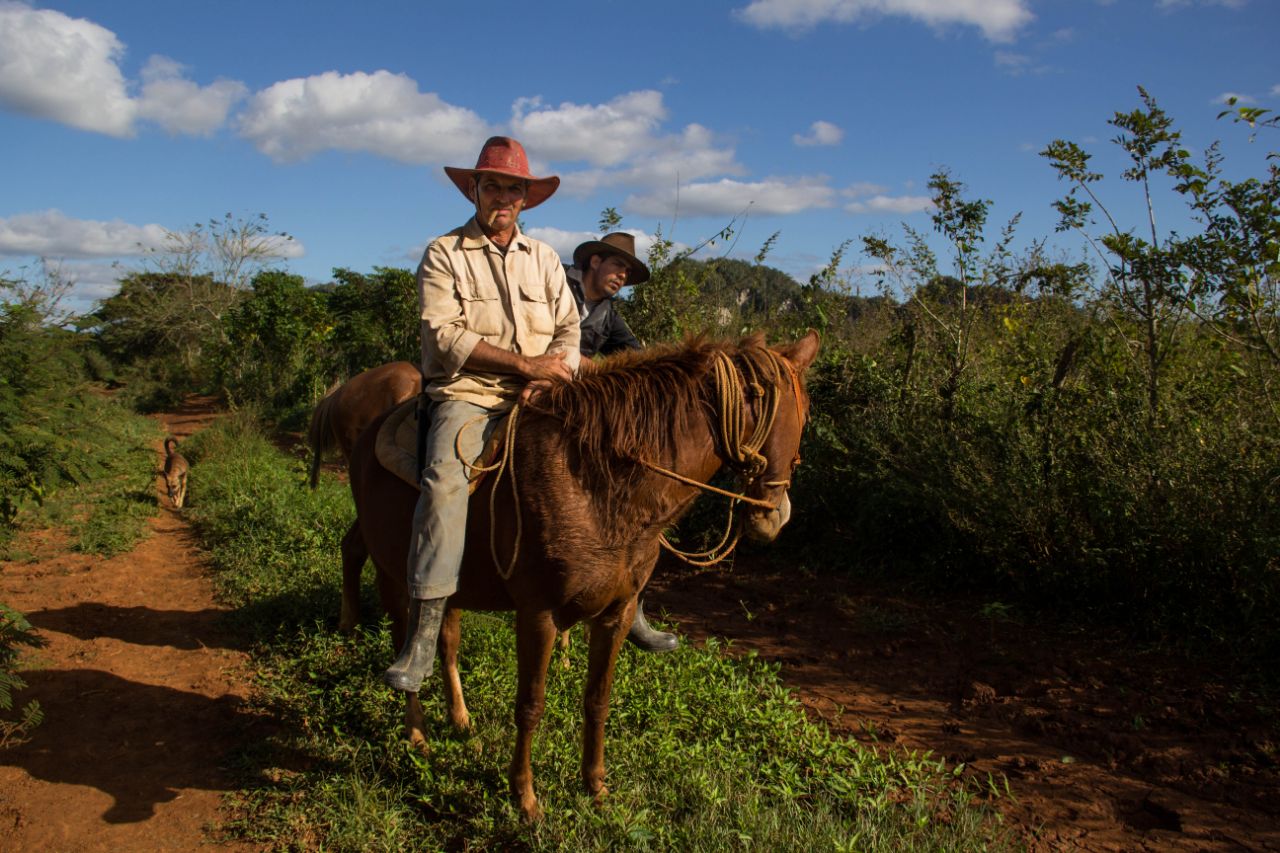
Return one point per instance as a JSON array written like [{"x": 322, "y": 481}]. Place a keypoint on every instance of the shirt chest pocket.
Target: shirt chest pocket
[
  {"x": 538, "y": 312},
  {"x": 481, "y": 305}
]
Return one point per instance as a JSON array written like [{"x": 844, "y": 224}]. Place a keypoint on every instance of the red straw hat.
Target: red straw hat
[{"x": 504, "y": 156}]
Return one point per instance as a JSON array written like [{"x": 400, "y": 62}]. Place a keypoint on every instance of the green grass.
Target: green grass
[
  {"x": 705, "y": 750},
  {"x": 100, "y": 471}
]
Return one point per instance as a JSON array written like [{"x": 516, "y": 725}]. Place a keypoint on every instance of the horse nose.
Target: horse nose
[{"x": 764, "y": 526}]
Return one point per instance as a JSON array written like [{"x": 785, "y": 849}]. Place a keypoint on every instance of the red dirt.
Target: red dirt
[
  {"x": 142, "y": 691},
  {"x": 1105, "y": 747}
]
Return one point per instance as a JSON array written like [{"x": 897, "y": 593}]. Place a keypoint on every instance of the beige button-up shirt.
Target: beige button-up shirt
[{"x": 470, "y": 291}]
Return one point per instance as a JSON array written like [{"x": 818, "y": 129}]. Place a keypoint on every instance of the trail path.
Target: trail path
[
  {"x": 141, "y": 689},
  {"x": 1106, "y": 747}
]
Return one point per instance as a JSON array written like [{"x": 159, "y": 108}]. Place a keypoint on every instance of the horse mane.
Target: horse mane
[
  {"x": 638, "y": 404},
  {"x": 634, "y": 403}
]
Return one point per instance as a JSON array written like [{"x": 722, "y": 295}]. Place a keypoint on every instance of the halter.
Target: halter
[{"x": 743, "y": 455}]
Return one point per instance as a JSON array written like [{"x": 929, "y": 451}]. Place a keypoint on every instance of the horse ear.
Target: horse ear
[
  {"x": 802, "y": 352},
  {"x": 755, "y": 340}
]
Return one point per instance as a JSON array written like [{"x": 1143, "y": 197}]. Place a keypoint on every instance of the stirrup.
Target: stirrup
[
  {"x": 417, "y": 658},
  {"x": 646, "y": 638}
]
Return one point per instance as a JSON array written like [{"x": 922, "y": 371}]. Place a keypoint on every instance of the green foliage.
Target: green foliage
[
  {"x": 271, "y": 338},
  {"x": 58, "y": 437},
  {"x": 375, "y": 320},
  {"x": 705, "y": 751},
  {"x": 15, "y": 634}
]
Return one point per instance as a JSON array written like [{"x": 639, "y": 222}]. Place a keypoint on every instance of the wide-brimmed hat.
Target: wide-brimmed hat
[
  {"x": 618, "y": 243},
  {"x": 504, "y": 156}
]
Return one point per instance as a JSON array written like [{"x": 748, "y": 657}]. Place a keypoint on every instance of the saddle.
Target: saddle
[{"x": 397, "y": 446}]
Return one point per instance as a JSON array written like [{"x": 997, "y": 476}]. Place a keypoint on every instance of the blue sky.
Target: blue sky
[{"x": 820, "y": 119}]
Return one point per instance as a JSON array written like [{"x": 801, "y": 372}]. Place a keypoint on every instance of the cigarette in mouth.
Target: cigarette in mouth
[{"x": 493, "y": 215}]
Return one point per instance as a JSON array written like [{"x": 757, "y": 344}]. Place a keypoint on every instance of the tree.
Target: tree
[
  {"x": 376, "y": 319},
  {"x": 1148, "y": 277},
  {"x": 271, "y": 338}
]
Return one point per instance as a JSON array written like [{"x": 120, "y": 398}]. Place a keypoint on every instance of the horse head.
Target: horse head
[{"x": 784, "y": 406}]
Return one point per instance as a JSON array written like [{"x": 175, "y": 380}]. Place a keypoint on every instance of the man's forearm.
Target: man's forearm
[{"x": 486, "y": 358}]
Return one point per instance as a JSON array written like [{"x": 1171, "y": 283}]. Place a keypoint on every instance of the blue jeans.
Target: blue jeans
[{"x": 440, "y": 518}]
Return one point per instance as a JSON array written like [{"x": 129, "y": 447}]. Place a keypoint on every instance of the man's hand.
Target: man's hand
[{"x": 547, "y": 366}]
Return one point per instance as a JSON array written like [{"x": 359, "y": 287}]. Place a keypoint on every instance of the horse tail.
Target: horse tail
[{"x": 320, "y": 435}]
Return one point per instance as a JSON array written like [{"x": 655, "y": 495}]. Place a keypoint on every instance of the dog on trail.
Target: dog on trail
[{"x": 175, "y": 472}]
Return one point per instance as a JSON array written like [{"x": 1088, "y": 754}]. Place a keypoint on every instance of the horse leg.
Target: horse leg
[
  {"x": 535, "y": 637},
  {"x": 562, "y": 642},
  {"x": 450, "y": 637},
  {"x": 354, "y": 554},
  {"x": 604, "y": 639}
]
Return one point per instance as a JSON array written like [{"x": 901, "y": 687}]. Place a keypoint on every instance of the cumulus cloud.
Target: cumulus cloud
[
  {"x": 820, "y": 133},
  {"x": 902, "y": 205},
  {"x": 621, "y": 142},
  {"x": 600, "y": 134},
  {"x": 380, "y": 113},
  {"x": 180, "y": 106},
  {"x": 726, "y": 197},
  {"x": 61, "y": 68},
  {"x": 999, "y": 20},
  {"x": 67, "y": 70},
  {"x": 51, "y": 233}
]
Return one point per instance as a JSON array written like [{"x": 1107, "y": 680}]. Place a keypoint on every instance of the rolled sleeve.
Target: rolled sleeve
[{"x": 446, "y": 340}]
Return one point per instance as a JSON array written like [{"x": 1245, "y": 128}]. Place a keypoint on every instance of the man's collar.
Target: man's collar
[{"x": 473, "y": 237}]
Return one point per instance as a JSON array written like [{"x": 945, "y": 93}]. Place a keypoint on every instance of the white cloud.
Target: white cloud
[
  {"x": 600, "y": 134},
  {"x": 999, "y": 20},
  {"x": 903, "y": 204},
  {"x": 820, "y": 133},
  {"x": 1275, "y": 90},
  {"x": 727, "y": 197},
  {"x": 61, "y": 68},
  {"x": 51, "y": 233},
  {"x": 621, "y": 142},
  {"x": 863, "y": 188},
  {"x": 67, "y": 69},
  {"x": 180, "y": 106},
  {"x": 381, "y": 113}
]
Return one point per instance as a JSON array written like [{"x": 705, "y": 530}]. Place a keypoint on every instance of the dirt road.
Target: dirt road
[{"x": 142, "y": 691}]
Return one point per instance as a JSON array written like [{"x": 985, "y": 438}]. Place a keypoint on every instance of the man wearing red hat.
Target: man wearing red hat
[
  {"x": 600, "y": 269},
  {"x": 498, "y": 323}
]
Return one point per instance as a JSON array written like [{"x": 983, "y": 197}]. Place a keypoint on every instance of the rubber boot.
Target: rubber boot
[
  {"x": 418, "y": 656},
  {"x": 646, "y": 638}
]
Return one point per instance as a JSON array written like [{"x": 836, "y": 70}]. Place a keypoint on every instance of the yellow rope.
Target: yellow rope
[
  {"x": 743, "y": 455},
  {"x": 505, "y": 458}
]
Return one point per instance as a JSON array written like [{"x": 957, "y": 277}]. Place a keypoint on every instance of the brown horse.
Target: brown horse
[
  {"x": 602, "y": 465},
  {"x": 348, "y": 408},
  {"x": 337, "y": 422}
]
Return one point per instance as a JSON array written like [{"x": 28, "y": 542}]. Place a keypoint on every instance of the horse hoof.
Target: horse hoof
[
  {"x": 419, "y": 742},
  {"x": 599, "y": 797},
  {"x": 531, "y": 811}
]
